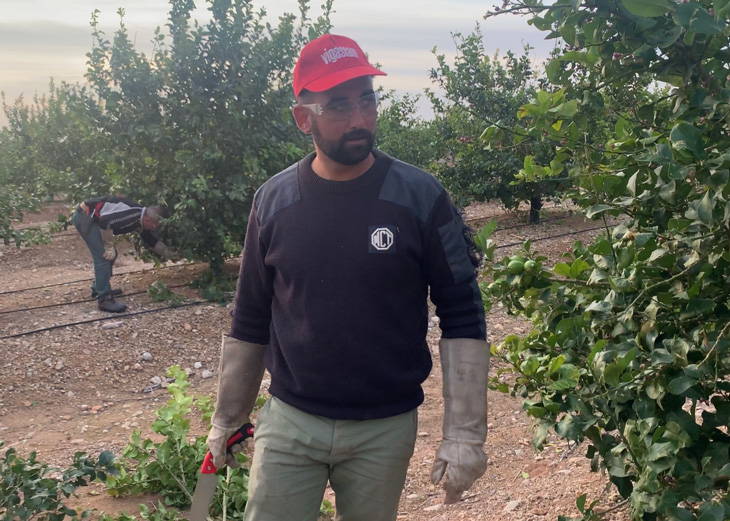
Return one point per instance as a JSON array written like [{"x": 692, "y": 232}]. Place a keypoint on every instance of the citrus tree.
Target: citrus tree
[
  {"x": 49, "y": 147},
  {"x": 478, "y": 90},
  {"x": 205, "y": 120},
  {"x": 630, "y": 348},
  {"x": 405, "y": 134}
]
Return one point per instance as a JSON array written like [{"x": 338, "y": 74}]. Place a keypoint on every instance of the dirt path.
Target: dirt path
[{"x": 80, "y": 388}]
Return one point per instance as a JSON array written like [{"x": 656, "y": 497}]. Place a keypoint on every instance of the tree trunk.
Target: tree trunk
[{"x": 535, "y": 205}]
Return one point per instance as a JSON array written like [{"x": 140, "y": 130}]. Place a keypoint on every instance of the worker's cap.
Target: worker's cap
[{"x": 328, "y": 61}]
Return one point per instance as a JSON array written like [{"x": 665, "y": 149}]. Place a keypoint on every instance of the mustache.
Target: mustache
[{"x": 359, "y": 133}]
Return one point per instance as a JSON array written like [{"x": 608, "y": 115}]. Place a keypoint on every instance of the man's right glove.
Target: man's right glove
[
  {"x": 107, "y": 237},
  {"x": 465, "y": 365},
  {"x": 240, "y": 373}
]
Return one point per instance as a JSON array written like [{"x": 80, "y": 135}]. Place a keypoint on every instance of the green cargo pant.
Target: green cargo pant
[{"x": 296, "y": 453}]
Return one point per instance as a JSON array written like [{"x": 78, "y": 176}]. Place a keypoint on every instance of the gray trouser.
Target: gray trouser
[
  {"x": 102, "y": 267},
  {"x": 296, "y": 453}
]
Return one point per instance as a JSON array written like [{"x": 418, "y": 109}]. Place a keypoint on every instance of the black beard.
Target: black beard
[{"x": 342, "y": 151}]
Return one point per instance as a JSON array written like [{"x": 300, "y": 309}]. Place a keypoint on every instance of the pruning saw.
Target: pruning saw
[{"x": 208, "y": 480}]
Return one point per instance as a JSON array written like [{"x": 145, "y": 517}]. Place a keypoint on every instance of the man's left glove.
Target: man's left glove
[
  {"x": 165, "y": 252},
  {"x": 107, "y": 238},
  {"x": 465, "y": 365},
  {"x": 240, "y": 373}
]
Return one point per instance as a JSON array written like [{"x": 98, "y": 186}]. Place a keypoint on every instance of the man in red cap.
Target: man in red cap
[{"x": 342, "y": 251}]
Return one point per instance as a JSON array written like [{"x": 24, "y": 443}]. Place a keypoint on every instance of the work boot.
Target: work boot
[
  {"x": 114, "y": 293},
  {"x": 110, "y": 305}
]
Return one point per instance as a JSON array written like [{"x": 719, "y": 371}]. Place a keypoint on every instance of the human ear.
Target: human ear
[{"x": 303, "y": 118}]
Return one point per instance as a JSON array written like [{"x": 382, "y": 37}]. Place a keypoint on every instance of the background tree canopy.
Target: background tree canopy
[
  {"x": 197, "y": 126},
  {"x": 481, "y": 90},
  {"x": 203, "y": 122},
  {"x": 200, "y": 123}
]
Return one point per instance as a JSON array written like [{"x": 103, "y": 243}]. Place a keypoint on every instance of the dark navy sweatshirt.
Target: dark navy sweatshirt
[{"x": 335, "y": 279}]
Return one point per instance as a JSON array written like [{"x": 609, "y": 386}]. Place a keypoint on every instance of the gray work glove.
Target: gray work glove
[
  {"x": 240, "y": 373},
  {"x": 163, "y": 251},
  {"x": 465, "y": 365},
  {"x": 107, "y": 237}
]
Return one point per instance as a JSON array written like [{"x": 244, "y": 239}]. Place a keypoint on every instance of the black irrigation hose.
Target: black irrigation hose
[
  {"x": 194, "y": 263},
  {"x": 551, "y": 237},
  {"x": 92, "y": 278},
  {"x": 511, "y": 227},
  {"x": 563, "y": 217},
  {"x": 486, "y": 219},
  {"x": 205, "y": 301},
  {"x": 523, "y": 225},
  {"x": 47, "y": 286},
  {"x": 59, "y": 304},
  {"x": 118, "y": 316}
]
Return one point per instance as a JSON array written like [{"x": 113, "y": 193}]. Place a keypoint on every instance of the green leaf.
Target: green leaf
[
  {"x": 502, "y": 388},
  {"x": 659, "y": 451},
  {"x": 686, "y": 137},
  {"x": 664, "y": 38},
  {"x": 580, "y": 57},
  {"x": 578, "y": 267},
  {"x": 633, "y": 181},
  {"x": 696, "y": 307},
  {"x": 668, "y": 191},
  {"x": 106, "y": 458},
  {"x": 530, "y": 366},
  {"x": 555, "y": 364},
  {"x": 711, "y": 512},
  {"x": 598, "y": 209},
  {"x": 724, "y": 471},
  {"x": 679, "y": 514},
  {"x": 685, "y": 422},
  {"x": 626, "y": 257},
  {"x": 648, "y": 8},
  {"x": 681, "y": 384},
  {"x": 568, "y": 428},
  {"x": 693, "y": 16},
  {"x": 600, "y": 306},
  {"x": 679, "y": 225},
  {"x": 661, "y": 357},
  {"x": 704, "y": 210},
  {"x": 597, "y": 276},
  {"x": 488, "y": 228},
  {"x": 569, "y": 377},
  {"x": 562, "y": 269}
]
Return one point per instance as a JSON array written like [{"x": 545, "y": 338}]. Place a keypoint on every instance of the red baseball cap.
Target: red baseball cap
[{"x": 328, "y": 61}]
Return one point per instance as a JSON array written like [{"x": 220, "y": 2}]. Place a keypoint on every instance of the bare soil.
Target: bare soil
[{"x": 80, "y": 388}]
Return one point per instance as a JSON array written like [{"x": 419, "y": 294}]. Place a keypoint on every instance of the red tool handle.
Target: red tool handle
[{"x": 241, "y": 434}]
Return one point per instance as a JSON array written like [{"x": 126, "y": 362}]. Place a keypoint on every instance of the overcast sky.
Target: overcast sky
[{"x": 43, "y": 39}]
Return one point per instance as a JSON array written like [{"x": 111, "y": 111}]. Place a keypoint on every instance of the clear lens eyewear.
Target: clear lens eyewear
[{"x": 343, "y": 109}]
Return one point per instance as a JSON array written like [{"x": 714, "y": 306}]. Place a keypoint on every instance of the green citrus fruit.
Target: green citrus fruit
[
  {"x": 531, "y": 266},
  {"x": 516, "y": 267}
]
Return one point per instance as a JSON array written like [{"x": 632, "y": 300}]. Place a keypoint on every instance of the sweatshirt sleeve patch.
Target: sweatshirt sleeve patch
[
  {"x": 408, "y": 186},
  {"x": 277, "y": 193},
  {"x": 457, "y": 257}
]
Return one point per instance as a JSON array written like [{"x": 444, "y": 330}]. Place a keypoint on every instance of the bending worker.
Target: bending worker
[
  {"x": 98, "y": 220},
  {"x": 341, "y": 253}
]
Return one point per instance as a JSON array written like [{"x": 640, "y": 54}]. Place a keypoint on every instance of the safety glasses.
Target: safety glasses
[{"x": 341, "y": 110}]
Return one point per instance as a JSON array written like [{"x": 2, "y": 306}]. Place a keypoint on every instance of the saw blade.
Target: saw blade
[{"x": 204, "y": 492}]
